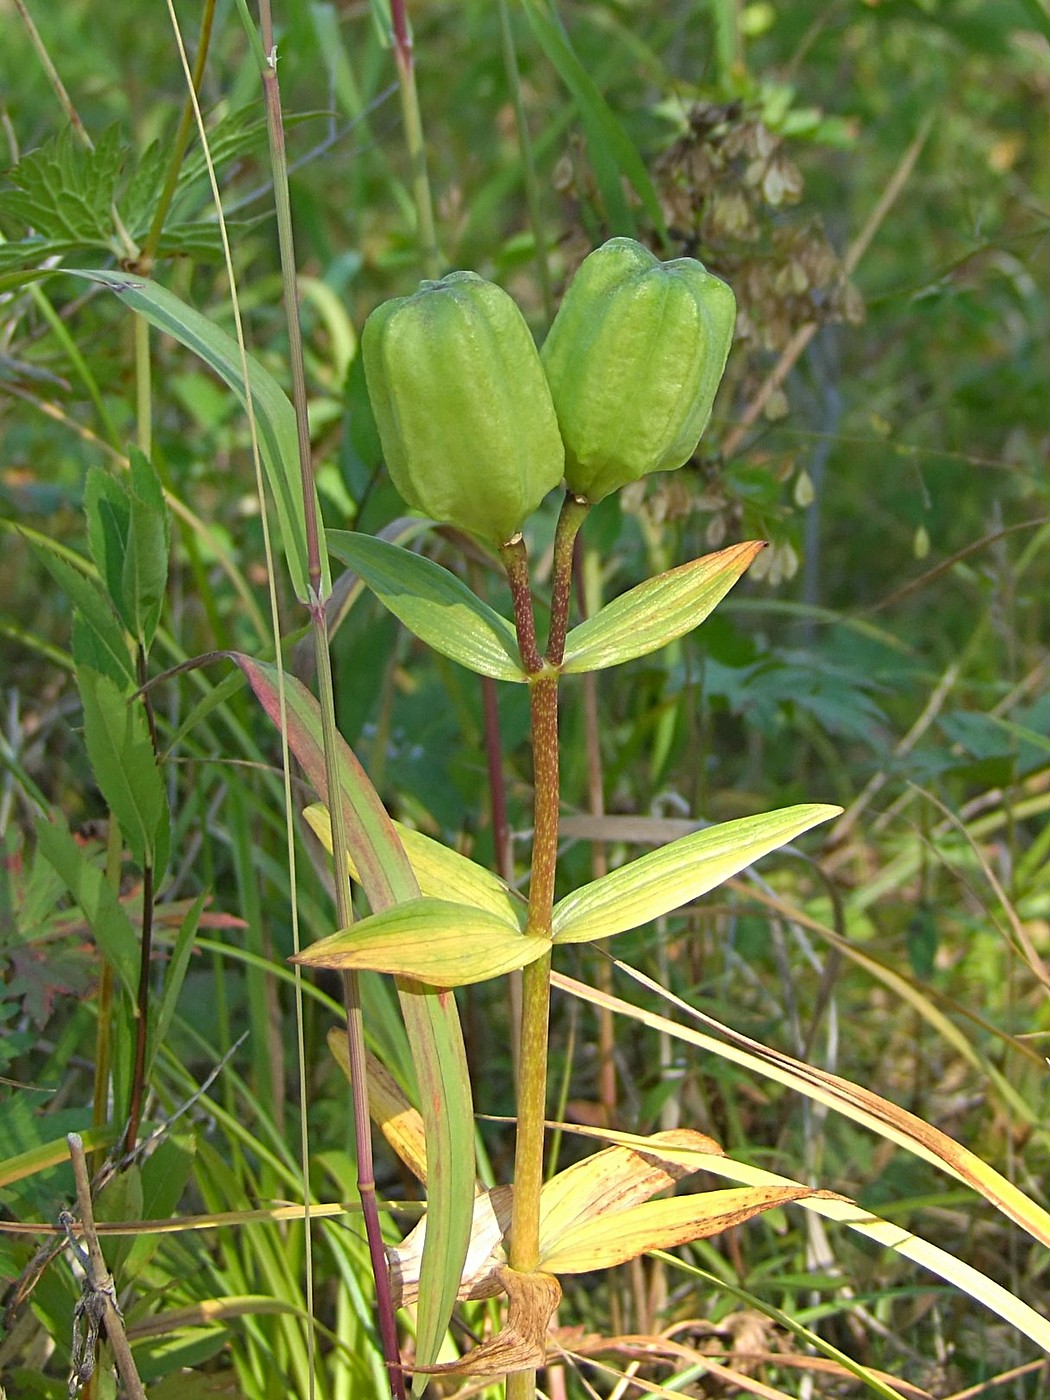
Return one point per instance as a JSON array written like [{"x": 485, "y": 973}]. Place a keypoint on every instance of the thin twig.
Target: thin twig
[{"x": 99, "y": 1280}]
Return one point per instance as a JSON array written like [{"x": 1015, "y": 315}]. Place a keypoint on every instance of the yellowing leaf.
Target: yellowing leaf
[
  {"x": 397, "y": 1120},
  {"x": 440, "y": 872},
  {"x": 616, "y": 1236},
  {"x": 486, "y": 1255},
  {"x": 657, "y": 611},
  {"x": 677, "y": 873},
  {"x": 616, "y": 1178},
  {"x": 429, "y": 940}
]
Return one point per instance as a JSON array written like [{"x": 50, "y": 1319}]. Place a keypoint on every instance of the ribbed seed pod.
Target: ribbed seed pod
[
  {"x": 462, "y": 405},
  {"x": 634, "y": 359}
]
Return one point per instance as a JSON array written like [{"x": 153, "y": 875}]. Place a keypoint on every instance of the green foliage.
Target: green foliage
[{"x": 886, "y": 652}]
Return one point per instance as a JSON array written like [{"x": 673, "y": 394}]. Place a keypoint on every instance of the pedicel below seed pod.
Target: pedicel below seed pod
[
  {"x": 634, "y": 359},
  {"x": 462, "y": 405}
]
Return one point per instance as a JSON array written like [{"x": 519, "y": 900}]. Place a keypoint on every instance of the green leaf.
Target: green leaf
[
  {"x": 613, "y": 154},
  {"x": 432, "y": 940},
  {"x": 118, "y": 744},
  {"x": 108, "y": 512},
  {"x": 145, "y": 571},
  {"x": 178, "y": 962},
  {"x": 431, "y": 1018},
  {"x": 439, "y": 871},
  {"x": 165, "y": 1173},
  {"x": 434, "y": 604},
  {"x": 274, "y": 415},
  {"x": 91, "y": 649},
  {"x": 27, "y": 253},
  {"x": 83, "y": 879},
  {"x": 657, "y": 611},
  {"x": 65, "y": 190},
  {"x": 681, "y": 871},
  {"x": 98, "y": 638}
]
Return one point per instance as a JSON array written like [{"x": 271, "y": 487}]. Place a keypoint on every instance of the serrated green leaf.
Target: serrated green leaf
[
  {"x": 118, "y": 743},
  {"x": 64, "y": 190},
  {"x": 657, "y": 611},
  {"x": 664, "y": 880},
  {"x": 439, "y": 871},
  {"x": 275, "y": 418},
  {"x": 433, "y": 604},
  {"x": 431, "y": 940},
  {"x": 100, "y": 633},
  {"x": 142, "y": 189},
  {"x": 92, "y": 650},
  {"x": 27, "y": 253},
  {"x": 145, "y": 572},
  {"x": 108, "y": 512},
  {"x": 431, "y": 1018},
  {"x": 95, "y": 896},
  {"x": 237, "y": 134},
  {"x": 202, "y": 238}
]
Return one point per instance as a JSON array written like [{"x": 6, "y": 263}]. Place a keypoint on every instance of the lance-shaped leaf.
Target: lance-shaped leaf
[
  {"x": 657, "y": 611},
  {"x": 431, "y": 1018},
  {"x": 618, "y": 1178},
  {"x": 430, "y": 940},
  {"x": 118, "y": 743},
  {"x": 663, "y": 880},
  {"x": 614, "y": 1179},
  {"x": 274, "y": 415},
  {"x": 145, "y": 571},
  {"x": 98, "y": 638},
  {"x": 97, "y": 899},
  {"x": 615, "y": 1237},
  {"x": 433, "y": 604},
  {"x": 439, "y": 871}
]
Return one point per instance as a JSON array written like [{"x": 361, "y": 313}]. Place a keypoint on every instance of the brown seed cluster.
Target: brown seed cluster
[{"x": 725, "y": 185}]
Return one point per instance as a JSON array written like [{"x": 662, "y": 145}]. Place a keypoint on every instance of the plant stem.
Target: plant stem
[
  {"x": 138, "y": 1074},
  {"x": 417, "y": 151},
  {"x": 535, "y": 1004},
  {"x": 354, "y": 1015},
  {"x": 99, "y": 1279},
  {"x": 148, "y": 252}
]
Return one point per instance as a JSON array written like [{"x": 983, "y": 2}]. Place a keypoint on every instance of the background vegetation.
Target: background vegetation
[{"x": 871, "y": 179}]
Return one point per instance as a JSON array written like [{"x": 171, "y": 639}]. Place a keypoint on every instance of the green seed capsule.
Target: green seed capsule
[
  {"x": 634, "y": 358},
  {"x": 462, "y": 405}
]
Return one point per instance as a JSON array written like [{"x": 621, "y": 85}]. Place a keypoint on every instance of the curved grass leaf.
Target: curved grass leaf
[
  {"x": 872, "y": 1111},
  {"x": 439, "y": 871},
  {"x": 433, "y": 604},
  {"x": 613, "y": 154},
  {"x": 431, "y": 940},
  {"x": 657, "y": 611},
  {"x": 274, "y": 415},
  {"x": 431, "y": 1019},
  {"x": 663, "y": 880}
]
